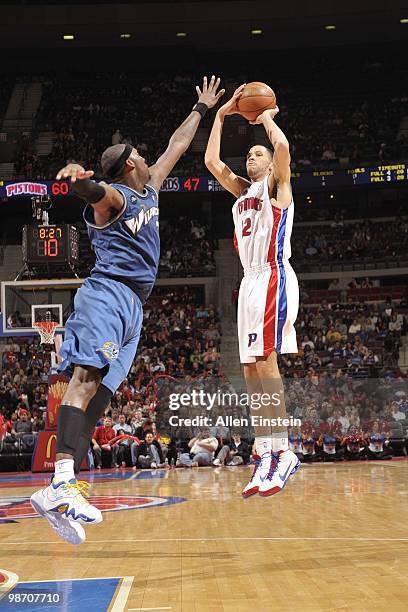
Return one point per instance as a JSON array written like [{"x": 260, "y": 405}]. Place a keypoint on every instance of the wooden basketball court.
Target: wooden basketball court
[{"x": 184, "y": 540}]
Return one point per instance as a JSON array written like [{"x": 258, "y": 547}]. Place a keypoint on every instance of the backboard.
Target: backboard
[{"x": 21, "y": 300}]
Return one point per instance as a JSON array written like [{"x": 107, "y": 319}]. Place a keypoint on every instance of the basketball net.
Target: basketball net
[{"x": 47, "y": 330}]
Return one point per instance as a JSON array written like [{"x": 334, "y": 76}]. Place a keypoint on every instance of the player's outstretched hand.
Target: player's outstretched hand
[
  {"x": 75, "y": 171},
  {"x": 269, "y": 113},
  {"x": 208, "y": 95},
  {"x": 231, "y": 107}
]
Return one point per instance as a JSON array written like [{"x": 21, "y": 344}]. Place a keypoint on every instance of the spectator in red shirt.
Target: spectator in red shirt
[
  {"x": 5, "y": 426},
  {"x": 101, "y": 443}
]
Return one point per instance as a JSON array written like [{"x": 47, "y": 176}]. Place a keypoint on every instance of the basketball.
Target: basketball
[{"x": 255, "y": 98}]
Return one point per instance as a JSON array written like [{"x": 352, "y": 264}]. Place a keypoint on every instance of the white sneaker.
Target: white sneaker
[
  {"x": 71, "y": 531},
  {"x": 281, "y": 467},
  {"x": 67, "y": 499},
  {"x": 217, "y": 462},
  {"x": 260, "y": 472}
]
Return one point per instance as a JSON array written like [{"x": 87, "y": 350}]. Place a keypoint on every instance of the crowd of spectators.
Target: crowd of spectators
[
  {"x": 187, "y": 249},
  {"x": 345, "y": 384},
  {"x": 359, "y": 340},
  {"x": 332, "y": 117},
  {"x": 345, "y": 418},
  {"x": 180, "y": 338},
  {"x": 342, "y": 242}
]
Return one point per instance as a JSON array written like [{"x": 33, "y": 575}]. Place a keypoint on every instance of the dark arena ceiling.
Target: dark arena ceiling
[{"x": 207, "y": 26}]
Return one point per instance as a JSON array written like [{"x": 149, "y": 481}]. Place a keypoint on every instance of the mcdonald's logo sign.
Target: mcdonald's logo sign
[
  {"x": 51, "y": 440},
  {"x": 44, "y": 453}
]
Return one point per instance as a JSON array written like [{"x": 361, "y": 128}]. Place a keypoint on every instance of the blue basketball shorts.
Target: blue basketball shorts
[{"x": 103, "y": 330}]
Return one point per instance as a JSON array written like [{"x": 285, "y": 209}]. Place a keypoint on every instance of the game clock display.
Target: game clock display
[{"x": 47, "y": 244}]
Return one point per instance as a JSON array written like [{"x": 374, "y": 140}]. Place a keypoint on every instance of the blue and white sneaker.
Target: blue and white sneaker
[
  {"x": 71, "y": 531},
  {"x": 282, "y": 465},
  {"x": 260, "y": 472},
  {"x": 64, "y": 506}
]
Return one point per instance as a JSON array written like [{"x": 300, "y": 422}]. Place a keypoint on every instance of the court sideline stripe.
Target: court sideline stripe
[
  {"x": 231, "y": 539},
  {"x": 122, "y": 594},
  {"x": 131, "y": 609}
]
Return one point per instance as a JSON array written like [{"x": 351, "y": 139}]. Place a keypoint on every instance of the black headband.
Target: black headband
[{"x": 120, "y": 162}]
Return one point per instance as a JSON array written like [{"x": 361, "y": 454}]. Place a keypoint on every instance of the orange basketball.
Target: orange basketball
[{"x": 255, "y": 98}]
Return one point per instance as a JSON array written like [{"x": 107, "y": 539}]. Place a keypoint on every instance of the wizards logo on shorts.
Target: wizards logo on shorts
[{"x": 110, "y": 350}]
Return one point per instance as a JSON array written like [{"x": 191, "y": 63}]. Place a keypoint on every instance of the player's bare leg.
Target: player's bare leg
[
  {"x": 262, "y": 444},
  {"x": 283, "y": 462},
  {"x": 63, "y": 503}
]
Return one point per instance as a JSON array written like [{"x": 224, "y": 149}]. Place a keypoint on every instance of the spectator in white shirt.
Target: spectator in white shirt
[
  {"x": 397, "y": 415},
  {"x": 202, "y": 449}
]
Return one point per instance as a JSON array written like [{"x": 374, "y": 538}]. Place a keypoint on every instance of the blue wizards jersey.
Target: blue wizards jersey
[{"x": 127, "y": 248}]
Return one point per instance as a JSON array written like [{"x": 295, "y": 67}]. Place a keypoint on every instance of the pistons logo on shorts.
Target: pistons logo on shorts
[
  {"x": 110, "y": 350},
  {"x": 252, "y": 338}
]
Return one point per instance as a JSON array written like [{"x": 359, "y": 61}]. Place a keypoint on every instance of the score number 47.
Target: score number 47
[{"x": 191, "y": 184}]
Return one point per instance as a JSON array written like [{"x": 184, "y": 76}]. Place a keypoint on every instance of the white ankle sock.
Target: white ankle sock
[
  {"x": 280, "y": 442},
  {"x": 263, "y": 444},
  {"x": 64, "y": 470}
]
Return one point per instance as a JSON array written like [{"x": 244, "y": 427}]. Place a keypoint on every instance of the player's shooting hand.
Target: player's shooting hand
[
  {"x": 231, "y": 107},
  {"x": 270, "y": 113},
  {"x": 75, "y": 171},
  {"x": 208, "y": 95}
]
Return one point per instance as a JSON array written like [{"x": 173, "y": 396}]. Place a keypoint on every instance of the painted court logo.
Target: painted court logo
[
  {"x": 13, "y": 509},
  {"x": 110, "y": 350}
]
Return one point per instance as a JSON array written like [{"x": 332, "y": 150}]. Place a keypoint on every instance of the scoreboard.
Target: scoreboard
[
  {"x": 393, "y": 173},
  {"x": 301, "y": 181},
  {"x": 46, "y": 244}
]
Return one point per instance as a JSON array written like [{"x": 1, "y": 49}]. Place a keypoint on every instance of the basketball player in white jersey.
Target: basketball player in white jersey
[{"x": 269, "y": 294}]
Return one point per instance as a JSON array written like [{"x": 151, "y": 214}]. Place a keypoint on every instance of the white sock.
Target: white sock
[
  {"x": 280, "y": 442},
  {"x": 263, "y": 444},
  {"x": 64, "y": 470}
]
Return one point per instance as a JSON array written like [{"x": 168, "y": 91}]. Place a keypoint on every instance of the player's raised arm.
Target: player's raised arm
[
  {"x": 182, "y": 137},
  {"x": 224, "y": 175},
  {"x": 280, "y": 144},
  {"x": 101, "y": 196}
]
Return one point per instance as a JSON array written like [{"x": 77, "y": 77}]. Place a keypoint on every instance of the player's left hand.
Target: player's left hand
[
  {"x": 75, "y": 171},
  {"x": 269, "y": 113},
  {"x": 208, "y": 95}
]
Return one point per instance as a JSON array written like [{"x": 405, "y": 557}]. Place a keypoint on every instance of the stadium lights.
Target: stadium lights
[
  {"x": 181, "y": 34},
  {"x": 256, "y": 32},
  {"x": 68, "y": 37},
  {"x": 329, "y": 27},
  {"x": 125, "y": 35},
  {"x": 404, "y": 20}
]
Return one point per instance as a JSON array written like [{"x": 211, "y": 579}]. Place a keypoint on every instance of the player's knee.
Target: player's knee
[
  {"x": 268, "y": 368},
  {"x": 250, "y": 371},
  {"x": 83, "y": 386}
]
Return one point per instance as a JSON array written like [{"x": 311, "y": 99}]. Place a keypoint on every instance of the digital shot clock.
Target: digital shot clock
[{"x": 47, "y": 244}]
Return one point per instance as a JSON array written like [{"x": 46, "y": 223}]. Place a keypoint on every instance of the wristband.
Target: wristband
[{"x": 201, "y": 108}]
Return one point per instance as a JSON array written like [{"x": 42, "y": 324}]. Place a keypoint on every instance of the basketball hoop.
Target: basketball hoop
[{"x": 47, "y": 330}]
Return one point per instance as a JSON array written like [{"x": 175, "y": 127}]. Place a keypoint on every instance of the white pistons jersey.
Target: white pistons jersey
[{"x": 269, "y": 293}]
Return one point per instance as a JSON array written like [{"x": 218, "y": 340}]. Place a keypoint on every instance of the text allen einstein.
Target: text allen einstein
[{"x": 254, "y": 420}]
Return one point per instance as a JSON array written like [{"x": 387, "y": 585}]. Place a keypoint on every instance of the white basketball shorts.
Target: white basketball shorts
[{"x": 267, "y": 309}]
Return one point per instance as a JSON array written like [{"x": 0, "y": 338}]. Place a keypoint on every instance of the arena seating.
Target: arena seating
[
  {"x": 353, "y": 246},
  {"x": 317, "y": 94},
  {"x": 337, "y": 368},
  {"x": 7, "y": 83},
  {"x": 187, "y": 249}
]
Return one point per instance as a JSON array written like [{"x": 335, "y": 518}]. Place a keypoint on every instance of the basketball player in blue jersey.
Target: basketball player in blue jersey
[{"x": 102, "y": 333}]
